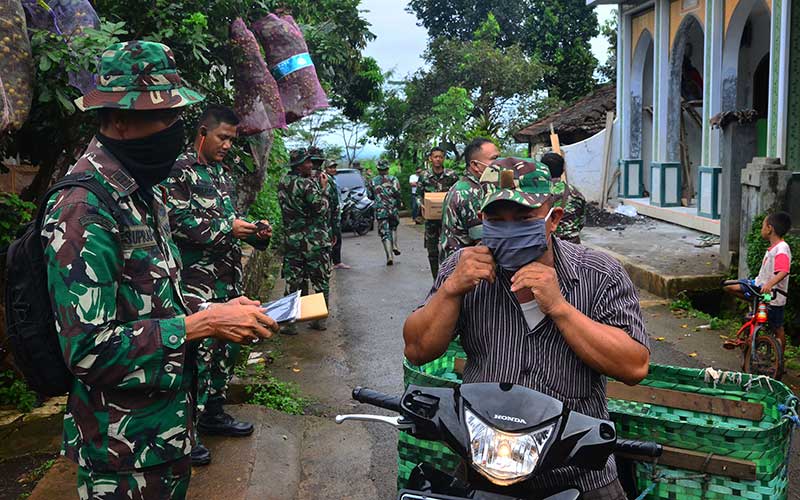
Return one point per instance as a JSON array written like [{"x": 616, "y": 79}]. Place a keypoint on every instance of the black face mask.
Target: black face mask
[{"x": 149, "y": 160}]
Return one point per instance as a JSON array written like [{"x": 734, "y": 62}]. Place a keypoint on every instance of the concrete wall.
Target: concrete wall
[{"x": 585, "y": 164}]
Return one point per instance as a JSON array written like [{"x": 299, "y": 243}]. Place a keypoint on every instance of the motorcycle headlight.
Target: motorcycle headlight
[{"x": 502, "y": 457}]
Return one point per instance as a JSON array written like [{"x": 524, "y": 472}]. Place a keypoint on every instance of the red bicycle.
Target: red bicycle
[{"x": 761, "y": 351}]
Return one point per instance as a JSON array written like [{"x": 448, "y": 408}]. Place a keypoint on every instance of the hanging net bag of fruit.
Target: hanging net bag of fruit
[
  {"x": 67, "y": 18},
  {"x": 16, "y": 63},
  {"x": 257, "y": 99},
  {"x": 291, "y": 65}
]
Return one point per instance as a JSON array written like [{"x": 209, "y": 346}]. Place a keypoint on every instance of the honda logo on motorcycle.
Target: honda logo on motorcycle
[{"x": 516, "y": 420}]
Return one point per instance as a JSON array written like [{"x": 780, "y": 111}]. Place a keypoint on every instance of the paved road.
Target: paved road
[{"x": 363, "y": 346}]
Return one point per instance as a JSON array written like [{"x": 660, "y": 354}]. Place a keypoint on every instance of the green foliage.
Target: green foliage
[
  {"x": 266, "y": 205},
  {"x": 757, "y": 247},
  {"x": 14, "y": 392},
  {"x": 470, "y": 89},
  {"x": 53, "y": 125},
  {"x": 14, "y": 213},
  {"x": 608, "y": 70},
  {"x": 449, "y": 115},
  {"x": 681, "y": 303},
  {"x": 270, "y": 392},
  {"x": 556, "y": 32}
]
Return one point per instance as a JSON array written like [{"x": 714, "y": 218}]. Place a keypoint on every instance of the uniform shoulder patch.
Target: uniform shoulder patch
[{"x": 89, "y": 219}]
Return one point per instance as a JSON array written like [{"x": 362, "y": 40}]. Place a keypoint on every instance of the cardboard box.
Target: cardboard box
[{"x": 432, "y": 207}]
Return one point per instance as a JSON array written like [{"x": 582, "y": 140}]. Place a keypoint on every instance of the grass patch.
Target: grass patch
[
  {"x": 272, "y": 393},
  {"x": 683, "y": 305}
]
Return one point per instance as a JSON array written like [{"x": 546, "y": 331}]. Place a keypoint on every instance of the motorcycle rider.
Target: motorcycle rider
[{"x": 536, "y": 311}]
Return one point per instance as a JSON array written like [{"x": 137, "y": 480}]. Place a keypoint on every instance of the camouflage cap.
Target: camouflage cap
[
  {"x": 526, "y": 182},
  {"x": 383, "y": 165},
  {"x": 138, "y": 75},
  {"x": 298, "y": 157}
]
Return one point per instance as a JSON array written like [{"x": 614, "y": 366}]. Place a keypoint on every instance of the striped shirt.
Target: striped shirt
[{"x": 500, "y": 346}]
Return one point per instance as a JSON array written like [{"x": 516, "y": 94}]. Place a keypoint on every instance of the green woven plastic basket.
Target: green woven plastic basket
[
  {"x": 412, "y": 451},
  {"x": 765, "y": 443}
]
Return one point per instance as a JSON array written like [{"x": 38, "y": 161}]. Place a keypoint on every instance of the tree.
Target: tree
[
  {"x": 197, "y": 31},
  {"x": 493, "y": 77},
  {"x": 557, "y": 33},
  {"x": 608, "y": 70}
]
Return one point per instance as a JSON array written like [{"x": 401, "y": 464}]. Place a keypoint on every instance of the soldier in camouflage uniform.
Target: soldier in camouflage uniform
[
  {"x": 387, "y": 205},
  {"x": 116, "y": 290},
  {"x": 208, "y": 232},
  {"x": 437, "y": 180},
  {"x": 336, "y": 216},
  {"x": 461, "y": 224},
  {"x": 567, "y": 197},
  {"x": 305, "y": 209}
]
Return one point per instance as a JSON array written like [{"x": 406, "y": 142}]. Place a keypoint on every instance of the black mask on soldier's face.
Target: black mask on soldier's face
[{"x": 149, "y": 159}]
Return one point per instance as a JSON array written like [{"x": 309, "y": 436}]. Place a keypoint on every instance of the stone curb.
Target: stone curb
[{"x": 662, "y": 285}]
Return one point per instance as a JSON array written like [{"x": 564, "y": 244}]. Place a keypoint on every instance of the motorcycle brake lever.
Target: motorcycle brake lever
[{"x": 396, "y": 422}]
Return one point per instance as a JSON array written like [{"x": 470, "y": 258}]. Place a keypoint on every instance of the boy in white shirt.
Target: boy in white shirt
[{"x": 774, "y": 272}]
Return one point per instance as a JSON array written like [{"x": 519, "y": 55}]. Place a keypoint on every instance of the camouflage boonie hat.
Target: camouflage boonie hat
[
  {"x": 383, "y": 165},
  {"x": 298, "y": 157},
  {"x": 316, "y": 154},
  {"x": 138, "y": 75},
  {"x": 526, "y": 182}
]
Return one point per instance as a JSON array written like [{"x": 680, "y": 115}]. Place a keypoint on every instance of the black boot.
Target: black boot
[
  {"x": 200, "y": 454},
  {"x": 434, "y": 262},
  {"x": 214, "y": 421}
]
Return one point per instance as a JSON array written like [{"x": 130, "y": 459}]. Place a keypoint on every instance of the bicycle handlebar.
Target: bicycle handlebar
[{"x": 755, "y": 290}]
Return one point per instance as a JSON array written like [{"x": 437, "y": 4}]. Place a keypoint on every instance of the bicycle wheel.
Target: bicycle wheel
[{"x": 765, "y": 358}]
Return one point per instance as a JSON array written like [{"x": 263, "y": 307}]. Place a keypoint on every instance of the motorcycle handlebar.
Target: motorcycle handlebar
[
  {"x": 375, "y": 398},
  {"x": 641, "y": 448}
]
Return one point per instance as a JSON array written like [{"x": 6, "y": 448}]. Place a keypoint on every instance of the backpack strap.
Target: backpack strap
[{"x": 84, "y": 180}]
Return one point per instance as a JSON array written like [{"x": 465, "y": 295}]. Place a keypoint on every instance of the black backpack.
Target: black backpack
[{"x": 30, "y": 325}]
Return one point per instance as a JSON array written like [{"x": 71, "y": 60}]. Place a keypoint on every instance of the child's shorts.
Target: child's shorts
[{"x": 775, "y": 316}]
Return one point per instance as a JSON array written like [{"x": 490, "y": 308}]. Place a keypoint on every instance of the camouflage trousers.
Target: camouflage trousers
[
  {"x": 433, "y": 230},
  {"x": 303, "y": 269},
  {"x": 387, "y": 225},
  {"x": 167, "y": 482},
  {"x": 215, "y": 363}
]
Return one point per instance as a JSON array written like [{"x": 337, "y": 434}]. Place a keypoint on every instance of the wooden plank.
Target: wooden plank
[
  {"x": 606, "y": 156},
  {"x": 686, "y": 401},
  {"x": 696, "y": 461},
  {"x": 555, "y": 142}
]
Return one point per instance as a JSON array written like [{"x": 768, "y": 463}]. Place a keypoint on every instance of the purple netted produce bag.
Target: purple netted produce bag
[
  {"x": 16, "y": 63},
  {"x": 291, "y": 65},
  {"x": 5, "y": 115},
  {"x": 257, "y": 100},
  {"x": 68, "y": 18}
]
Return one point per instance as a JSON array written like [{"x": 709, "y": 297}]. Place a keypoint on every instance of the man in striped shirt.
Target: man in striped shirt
[{"x": 536, "y": 311}]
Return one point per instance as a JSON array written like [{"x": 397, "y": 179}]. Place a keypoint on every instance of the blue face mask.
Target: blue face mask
[{"x": 515, "y": 244}]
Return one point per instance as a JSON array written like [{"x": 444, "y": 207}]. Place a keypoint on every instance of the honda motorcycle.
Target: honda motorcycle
[
  {"x": 357, "y": 211},
  {"x": 506, "y": 435}
]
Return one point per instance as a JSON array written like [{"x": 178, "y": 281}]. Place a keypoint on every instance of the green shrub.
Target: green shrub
[
  {"x": 14, "y": 392},
  {"x": 757, "y": 246},
  {"x": 266, "y": 205},
  {"x": 14, "y": 213}
]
